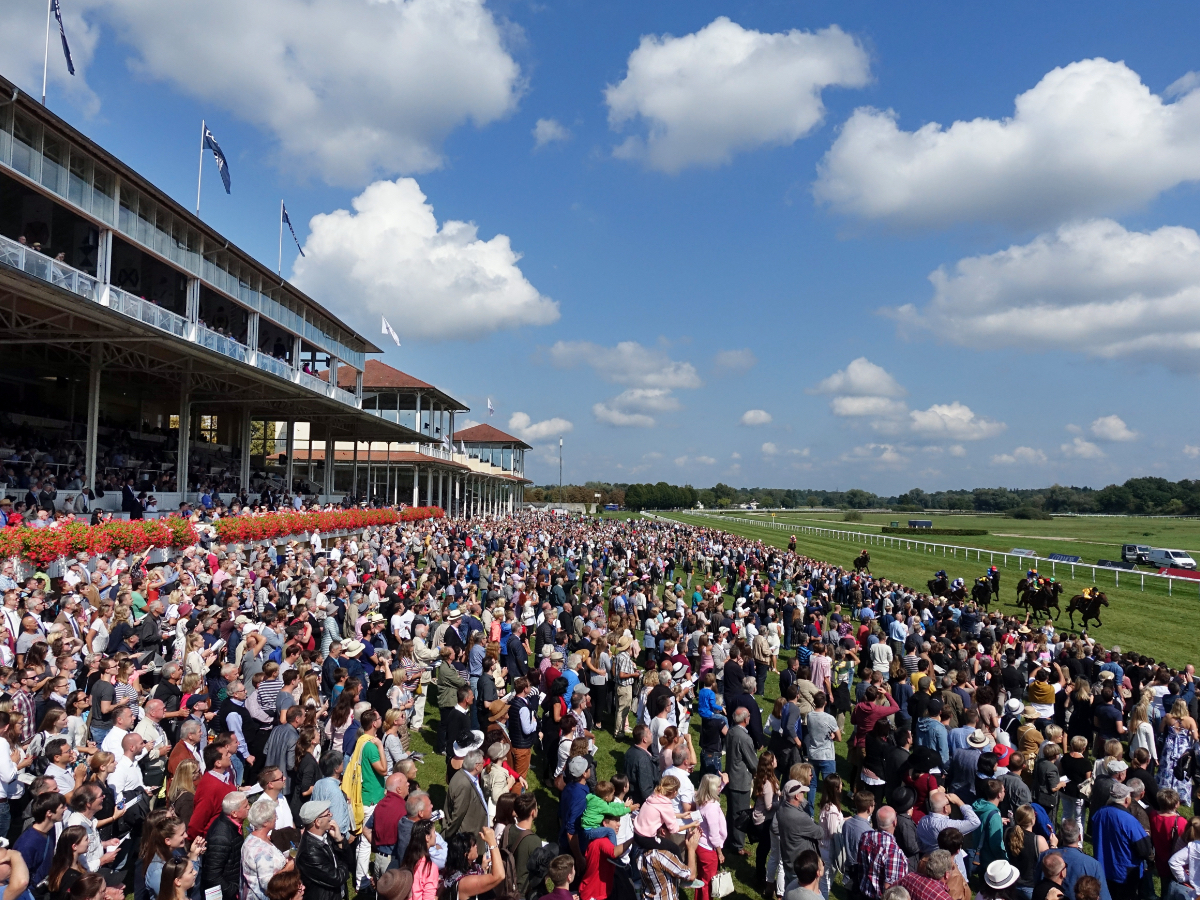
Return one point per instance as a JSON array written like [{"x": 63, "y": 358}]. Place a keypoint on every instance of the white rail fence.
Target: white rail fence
[{"x": 950, "y": 550}]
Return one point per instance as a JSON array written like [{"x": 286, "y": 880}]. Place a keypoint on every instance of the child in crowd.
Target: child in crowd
[
  {"x": 601, "y": 803},
  {"x": 709, "y": 708}
]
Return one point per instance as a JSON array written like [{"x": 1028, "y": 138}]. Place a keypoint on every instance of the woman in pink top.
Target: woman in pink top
[
  {"x": 710, "y": 855},
  {"x": 657, "y": 814},
  {"x": 426, "y": 879}
]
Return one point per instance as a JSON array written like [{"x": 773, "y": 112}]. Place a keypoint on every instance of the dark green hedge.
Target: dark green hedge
[{"x": 919, "y": 532}]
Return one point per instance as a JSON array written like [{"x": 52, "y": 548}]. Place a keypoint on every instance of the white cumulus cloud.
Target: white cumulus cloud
[
  {"x": 1112, "y": 428},
  {"x": 627, "y": 363},
  {"x": 432, "y": 282},
  {"x": 726, "y": 89},
  {"x": 878, "y": 456},
  {"x": 21, "y": 53},
  {"x": 549, "y": 131},
  {"x": 756, "y": 417},
  {"x": 862, "y": 378},
  {"x": 1025, "y": 455},
  {"x": 1092, "y": 287},
  {"x": 736, "y": 360},
  {"x": 1081, "y": 449},
  {"x": 1191, "y": 450},
  {"x": 1090, "y": 138},
  {"x": 349, "y": 89},
  {"x": 954, "y": 421},
  {"x": 523, "y": 426},
  {"x": 770, "y": 449},
  {"x": 878, "y": 407},
  {"x": 633, "y": 407}
]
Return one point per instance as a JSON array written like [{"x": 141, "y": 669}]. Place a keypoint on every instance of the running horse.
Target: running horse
[
  {"x": 939, "y": 585},
  {"x": 1045, "y": 599},
  {"x": 1088, "y": 607},
  {"x": 863, "y": 561},
  {"x": 981, "y": 592}
]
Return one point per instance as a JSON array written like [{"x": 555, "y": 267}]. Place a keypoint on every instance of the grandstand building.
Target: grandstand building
[{"x": 141, "y": 343}]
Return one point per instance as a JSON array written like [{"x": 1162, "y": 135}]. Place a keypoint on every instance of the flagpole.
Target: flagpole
[
  {"x": 279, "y": 270},
  {"x": 200, "y": 174},
  {"x": 46, "y": 56}
]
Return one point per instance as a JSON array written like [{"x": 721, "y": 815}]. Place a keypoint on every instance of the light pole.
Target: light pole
[{"x": 560, "y": 496}]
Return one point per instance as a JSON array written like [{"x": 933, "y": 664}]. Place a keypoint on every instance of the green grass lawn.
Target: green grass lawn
[{"x": 1149, "y": 621}]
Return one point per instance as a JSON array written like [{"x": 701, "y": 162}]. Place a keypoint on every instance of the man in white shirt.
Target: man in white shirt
[
  {"x": 128, "y": 776},
  {"x": 685, "y": 799},
  {"x": 122, "y": 726},
  {"x": 60, "y": 754}
]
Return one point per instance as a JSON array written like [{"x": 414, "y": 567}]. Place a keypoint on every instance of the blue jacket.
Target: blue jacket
[
  {"x": 932, "y": 734},
  {"x": 571, "y": 808},
  {"x": 1120, "y": 843},
  {"x": 1078, "y": 865}
]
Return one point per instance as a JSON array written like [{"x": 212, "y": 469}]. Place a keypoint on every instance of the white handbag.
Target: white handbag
[{"x": 722, "y": 884}]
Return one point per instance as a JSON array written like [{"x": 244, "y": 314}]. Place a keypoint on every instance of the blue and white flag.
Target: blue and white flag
[
  {"x": 222, "y": 166},
  {"x": 491, "y": 412},
  {"x": 390, "y": 331},
  {"x": 287, "y": 221},
  {"x": 62, "y": 32}
]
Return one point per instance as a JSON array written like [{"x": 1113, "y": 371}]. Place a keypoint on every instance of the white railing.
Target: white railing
[
  {"x": 275, "y": 366},
  {"x": 226, "y": 346},
  {"x": 145, "y": 311},
  {"x": 39, "y": 265},
  {"x": 899, "y": 542},
  {"x": 436, "y": 451},
  {"x": 312, "y": 382}
]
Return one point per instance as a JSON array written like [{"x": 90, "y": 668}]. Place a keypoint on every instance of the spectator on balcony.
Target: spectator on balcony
[{"x": 129, "y": 500}]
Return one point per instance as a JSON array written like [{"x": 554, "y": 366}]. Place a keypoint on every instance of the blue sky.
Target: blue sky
[{"x": 691, "y": 237}]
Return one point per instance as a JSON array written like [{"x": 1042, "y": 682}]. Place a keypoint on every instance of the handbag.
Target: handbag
[
  {"x": 1085, "y": 788},
  {"x": 722, "y": 884}
]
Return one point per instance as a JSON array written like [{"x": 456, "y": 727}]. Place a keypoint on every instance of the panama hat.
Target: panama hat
[
  {"x": 352, "y": 647},
  {"x": 1001, "y": 874}
]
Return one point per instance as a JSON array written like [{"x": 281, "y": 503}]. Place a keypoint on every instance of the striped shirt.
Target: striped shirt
[{"x": 661, "y": 872}]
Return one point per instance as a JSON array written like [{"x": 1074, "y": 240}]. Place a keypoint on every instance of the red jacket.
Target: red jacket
[
  {"x": 863, "y": 718},
  {"x": 209, "y": 793}
]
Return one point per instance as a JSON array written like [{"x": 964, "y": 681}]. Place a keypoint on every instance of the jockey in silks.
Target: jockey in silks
[
  {"x": 957, "y": 584},
  {"x": 1031, "y": 576}
]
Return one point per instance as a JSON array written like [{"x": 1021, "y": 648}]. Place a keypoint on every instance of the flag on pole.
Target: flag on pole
[
  {"x": 286, "y": 219},
  {"x": 446, "y": 444},
  {"x": 462, "y": 445},
  {"x": 491, "y": 412},
  {"x": 222, "y": 166},
  {"x": 391, "y": 332},
  {"x": 62, "y": 33}
]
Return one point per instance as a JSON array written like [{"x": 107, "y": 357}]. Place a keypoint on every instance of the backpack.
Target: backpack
[{"x": 537, "y": 868}]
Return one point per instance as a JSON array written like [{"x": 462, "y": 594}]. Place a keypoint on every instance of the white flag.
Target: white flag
[
  {"x": 463, "y": 446},
  {"x": 391, "y": 332},
  {"x": 491, "y": 411}
]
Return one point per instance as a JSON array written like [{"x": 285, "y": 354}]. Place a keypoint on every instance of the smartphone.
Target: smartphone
[{"x": 437, "y": 816}]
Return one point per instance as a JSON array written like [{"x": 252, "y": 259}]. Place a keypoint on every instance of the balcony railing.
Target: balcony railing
[
  {"x": 275, "y": 366},
  {"x": 227, "y": 346},
  {"x": 144, "y": 311},
  {"x": 436, "y": 451},
  {"x": 26, "y": 259},
  {"x": 19, "y": 256}
]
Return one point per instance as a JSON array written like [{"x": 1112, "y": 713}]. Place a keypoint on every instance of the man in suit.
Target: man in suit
[
  {"x": 744, "y": 699},
  {"x": 458, "y": 721},
  {"x": 640, "y": 767},
  {"x": 129, "y": 501},
  {"x": 741, "y": 762},
  {"x": 465, "y": 806}
]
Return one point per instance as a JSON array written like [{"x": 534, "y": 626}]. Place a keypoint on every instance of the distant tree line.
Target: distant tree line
[{"x": 1137, "y": 496}]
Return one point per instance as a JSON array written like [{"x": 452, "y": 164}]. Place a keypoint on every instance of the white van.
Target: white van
[{"x": 1173, "y": 559}]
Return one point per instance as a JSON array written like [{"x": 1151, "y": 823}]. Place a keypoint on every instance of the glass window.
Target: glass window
[
  {"x": 80, "y": 180},
  {"x": 104, "y": 189},
  {"x": 508, "y": 459},
  {"x": 25, "y": 145},
  {"x": 208, "y": 429},
  {"x": 128, "y": 214},
  {"x": 54, "y": 165}
]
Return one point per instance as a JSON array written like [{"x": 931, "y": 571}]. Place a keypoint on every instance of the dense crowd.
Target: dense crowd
[{"x": 242, "y": 722}]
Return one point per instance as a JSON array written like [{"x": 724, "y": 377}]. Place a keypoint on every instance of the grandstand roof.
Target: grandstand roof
[
  {"x": 486, "y": 434},
  {"x": 379, "y": 376}
]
